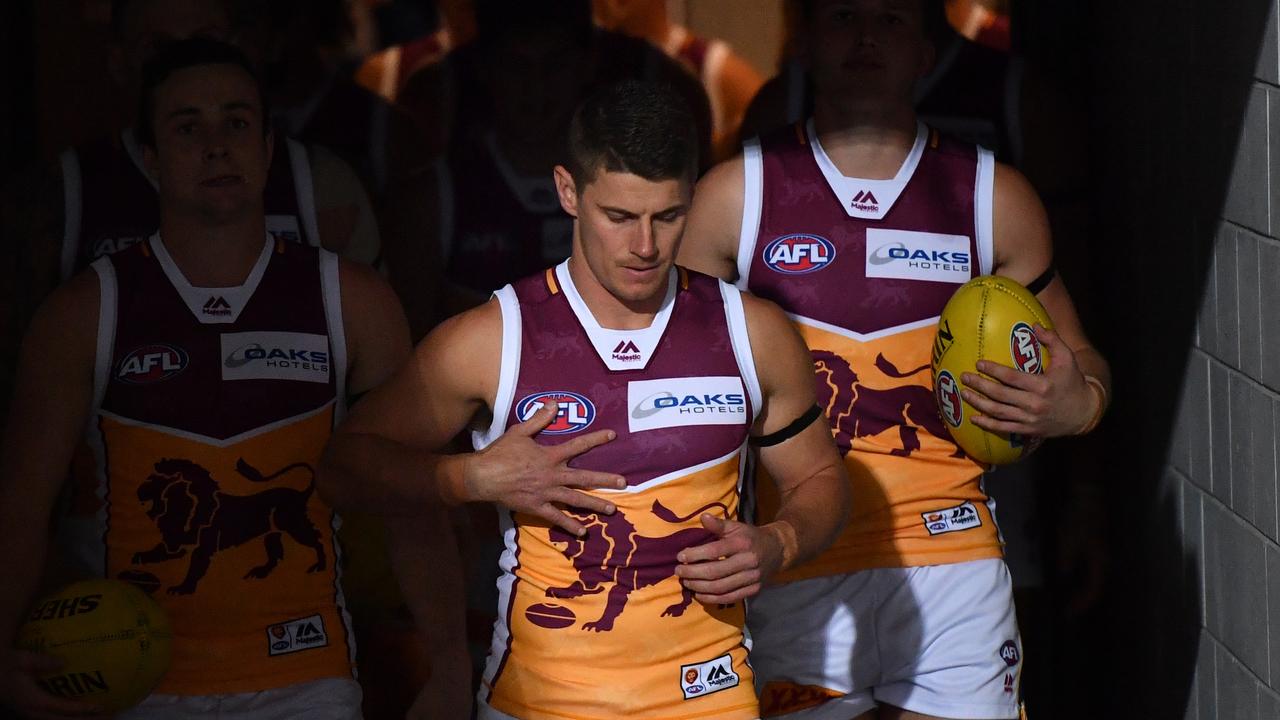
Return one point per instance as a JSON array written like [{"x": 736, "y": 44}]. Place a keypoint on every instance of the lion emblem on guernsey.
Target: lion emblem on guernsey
[
  {"x": 194, "y": 515},
  {"x": 614, "y": 557},
  {"x": 857, "y": 411}
]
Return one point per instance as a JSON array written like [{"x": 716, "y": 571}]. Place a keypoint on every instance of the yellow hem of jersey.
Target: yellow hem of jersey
[{"x": 748, "y": 711}]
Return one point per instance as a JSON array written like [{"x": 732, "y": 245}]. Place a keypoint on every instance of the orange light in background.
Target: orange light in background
[{"x": 985, "y": 22}]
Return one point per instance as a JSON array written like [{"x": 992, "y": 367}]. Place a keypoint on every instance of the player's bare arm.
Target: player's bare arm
[
  {"x": 1072, "y": 394},
  {"x": 52, "y": 400},
  {"x": 812, "y": 484},
  {"x": 710, "y": 243},
  {"x": 386, "y": 457}
]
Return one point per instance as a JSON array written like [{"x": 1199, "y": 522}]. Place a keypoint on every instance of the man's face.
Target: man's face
[
  {"x": 868, "y": 50},
  {"x": 628, "y": 229},
  {"x": 150, "y": 24},
  {"x": 211, "y": 155}
]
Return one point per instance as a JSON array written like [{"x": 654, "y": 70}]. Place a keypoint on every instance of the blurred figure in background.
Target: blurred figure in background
[
  {"x": 730, "y": 81},
  {"x": 385, "y": 72}
]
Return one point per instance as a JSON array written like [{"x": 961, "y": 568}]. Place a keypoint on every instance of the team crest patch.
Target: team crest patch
[
  {"x": 712, "y": 676},
  {"x": 799, "y": 254},
  {"x": 954, "y": 519},
  {"x": 575, "y": 412},
  {"x": 296, "y": 635}
]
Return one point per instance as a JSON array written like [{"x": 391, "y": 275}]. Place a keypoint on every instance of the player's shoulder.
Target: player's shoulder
[{"x": 67, "y": 320}]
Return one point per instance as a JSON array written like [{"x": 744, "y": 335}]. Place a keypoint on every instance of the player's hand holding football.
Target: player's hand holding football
[
  {"x": 19, "y": 690},
  {"x": 732, "y": 567},
  {"x": 517, "y": 472},
  {"x": 1056, "y": 403}
]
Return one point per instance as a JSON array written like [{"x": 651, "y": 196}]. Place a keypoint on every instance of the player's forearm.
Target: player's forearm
[
  {"x": 811, "y": 515},
  {"x": 371, "y": 473}
]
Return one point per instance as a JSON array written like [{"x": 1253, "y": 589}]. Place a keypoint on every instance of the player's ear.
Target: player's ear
[{"x": 567, "y": 190}]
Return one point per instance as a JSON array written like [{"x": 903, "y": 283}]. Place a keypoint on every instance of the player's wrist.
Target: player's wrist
[
  {"x": 784, "y": 536},
  {"x": 451, "y": 479},
  {"x": 1097, "y": 405}
]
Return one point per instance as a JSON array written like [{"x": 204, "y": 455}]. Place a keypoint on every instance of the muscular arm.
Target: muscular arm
[
  {"x": 812, "y": 484},
  {"x": 710, "y": 243},
  {"x": 386, "y": 458},
  {"x": 811, "y": 478},
  {"x": 421, "y": 546},
  {"x": 52, "y": 401},
  {"x": 1061, "y": 401},
  {"x": 739, "y": 82}
]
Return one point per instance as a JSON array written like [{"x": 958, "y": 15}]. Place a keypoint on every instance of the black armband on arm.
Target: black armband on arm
[
  {"x": 1042, "y": 282},
  {"x": 795, "y": 428}
]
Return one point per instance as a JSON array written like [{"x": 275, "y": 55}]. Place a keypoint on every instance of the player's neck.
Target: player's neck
[
  {"x": 868, "y": 141},
  {"x": 213, "y": 255},
  {"x": 609, "y": 310}
]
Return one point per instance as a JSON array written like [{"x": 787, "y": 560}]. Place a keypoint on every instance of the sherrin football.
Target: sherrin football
[
  {"x": 988, "y": 318},
  {"x": 112, "y": 638}
]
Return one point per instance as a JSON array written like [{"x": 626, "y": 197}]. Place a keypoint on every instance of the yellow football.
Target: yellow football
[
  {"x": 112, "y": 638},
  {"x": 988, "y": 318}
]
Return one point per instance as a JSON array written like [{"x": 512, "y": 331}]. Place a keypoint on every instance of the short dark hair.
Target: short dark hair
[
  {"x": 635, "y": 126},
  {"x": 933, "y": 13},
  {"x": 180, "y": 55}
]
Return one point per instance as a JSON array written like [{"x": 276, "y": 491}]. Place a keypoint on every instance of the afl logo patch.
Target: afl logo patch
[
  {"x": 799, "y": 254},
  {"x": 575, "y": 412},
  {"x": 151, "y": 363},
  {"x": 1024, "y": 346},
  {"x": 948, "y": 391}
]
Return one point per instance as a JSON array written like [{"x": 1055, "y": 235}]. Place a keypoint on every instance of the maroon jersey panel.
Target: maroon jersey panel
[
  {"x": 170, "y": 369},
  {"x": 558, "y": 358},
  {"x": 801, "y": 209}
]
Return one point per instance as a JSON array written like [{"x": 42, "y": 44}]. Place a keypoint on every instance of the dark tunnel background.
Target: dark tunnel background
[{"x": 1180, "y": 108}]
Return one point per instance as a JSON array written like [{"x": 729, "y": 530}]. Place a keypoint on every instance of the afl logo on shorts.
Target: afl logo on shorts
[
  {"x": 949, "y": 399},
  {"x": 1024, "y": 346},
  {"x": 575, "y": 412},
  {"x": 799, "y": 254},
  {"x": 151, "y": 363}
]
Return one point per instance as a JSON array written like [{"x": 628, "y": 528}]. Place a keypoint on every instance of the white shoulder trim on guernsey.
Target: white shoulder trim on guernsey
[
  {"x": 509, "y": 373},
  {"x": 620, "y": 349},
  {"x": 752, "y": 205},
  {"x": 331, "y": 289},
  {"x": 865, "y": 198},
  {"x": 204, "y": 302},
  {"x": 72, "y": 211},
  {"x": 108, "y": 302},
  {"x": 84, "y": 537},
  {"x": 984, "y": 210},
  {"x": 741, "y": 340},
  {"x": 305, "y": 190},
  {"x": 500, "y": 643}
]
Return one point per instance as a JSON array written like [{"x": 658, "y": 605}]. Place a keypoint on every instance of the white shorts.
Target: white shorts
[
  {"x": 940, "y": 640},
  {"x": 326, "y": 699}
]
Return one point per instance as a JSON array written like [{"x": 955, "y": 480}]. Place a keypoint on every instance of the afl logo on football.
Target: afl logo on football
[
  {"x": 799, "y": 254},
  {"x": 1024, "y": 346},
  {"x": 151, "y": 363},
  {"x": 948, "y": 392},
  {"x": 575, "y": 411}
]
